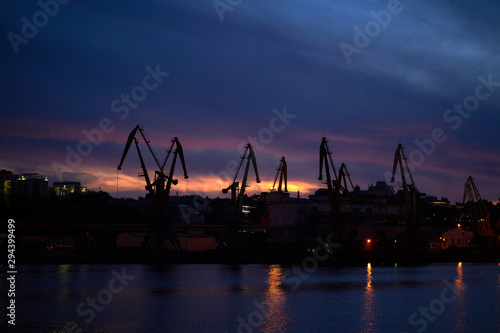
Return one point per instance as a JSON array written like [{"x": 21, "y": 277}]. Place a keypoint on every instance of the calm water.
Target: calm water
[{"x": 257, "y": 298}]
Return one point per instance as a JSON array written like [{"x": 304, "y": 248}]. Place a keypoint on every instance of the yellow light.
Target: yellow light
[
  {"x": 368, "y": 240},
  {"x": 459, "y": 225},
  {"x": 369, "y": 265},
  {"x": 459, "y": 264}
]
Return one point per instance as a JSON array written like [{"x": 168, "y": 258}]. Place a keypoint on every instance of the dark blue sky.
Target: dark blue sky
[{"x": 225, "y": 77}]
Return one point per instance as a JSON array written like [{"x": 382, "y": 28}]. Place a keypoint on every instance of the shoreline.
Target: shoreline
[{"x": 347, "y": 259}]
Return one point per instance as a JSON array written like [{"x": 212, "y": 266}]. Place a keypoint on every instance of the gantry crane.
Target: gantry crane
[
  {"x": 325, "y": 158},
  {"x": 160, "y": 236},
  {"x": 409, "y": 189},
  {"x": 479, "y": 215},
  {"x": 282, "y": 175}
]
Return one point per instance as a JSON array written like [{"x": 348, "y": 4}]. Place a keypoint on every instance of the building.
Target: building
[
  {"x": 443, "y": 202},
  {"x": 29, "y": 185},
  {"x": 25, "y": 186},
  {"x": 6, "y": 178},
  {"x": 458, "y": 237},
  {"x": 63, "y": 189},
  {"x": 373, "y": 214},
  {"x": 381, "y": 189}
]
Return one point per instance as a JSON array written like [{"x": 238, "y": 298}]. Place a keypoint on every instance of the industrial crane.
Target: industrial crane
[
  {"x": 237, "y": 201},
  {"x": 230, "y": 236},
  {"x": 342, "y": 182},
  {"x": 160, "y": 236},
  {"x": 325, "y": 159},
  {"x": 410, "y": 190},
  {"x": 282, "y": 174},
  {"x": 478, "y": 213}
]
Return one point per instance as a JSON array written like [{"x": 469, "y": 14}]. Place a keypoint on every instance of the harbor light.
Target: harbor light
[{"x": 368, "y": 245}]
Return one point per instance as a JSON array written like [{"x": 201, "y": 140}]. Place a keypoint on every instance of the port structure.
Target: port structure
[
  {"x": 333, "y": 186},
  {"x": 411, "y": 193},
  {"x": 282, "y": 175},
  {"x": 479, "y": 215},
  {"x": 160, "y": 238},
  {"x": 230, "y": 237}
]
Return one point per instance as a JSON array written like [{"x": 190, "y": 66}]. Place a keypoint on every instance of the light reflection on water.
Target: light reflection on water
[
  {"x": 459, "y": 305},
  {"x": 210, "y": 298},
  {"x": 64, "y": 290},
  {"x": 276, "y": 320},
  {"x": 368, "y": 316}
]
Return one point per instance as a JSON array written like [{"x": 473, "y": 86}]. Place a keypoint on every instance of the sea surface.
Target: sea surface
[{"x": 451, "y": 297}]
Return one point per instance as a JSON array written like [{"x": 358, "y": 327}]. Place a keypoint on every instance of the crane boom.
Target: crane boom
[
  {"x": 282, "y": 174},
  {"x": 149, "y": 186},
  {"x": 325, "y": 156},
  {"x": 410, "y": 190},
  {"x": 131, "y": 138},
  {"x": 333, "y": 192},
  {"x": 149, "y": 147},
  {"x": 180, "y": 153},
  {"x": 343, "y": 177}
]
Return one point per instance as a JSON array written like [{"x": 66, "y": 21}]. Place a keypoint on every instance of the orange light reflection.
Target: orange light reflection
[
  {"x": 276, "y": 319},
  {"x": 368, "y": 317},
  {"x": 459, "y": 305}
]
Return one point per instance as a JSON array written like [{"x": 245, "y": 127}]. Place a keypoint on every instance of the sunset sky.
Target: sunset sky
[{"x": 78, "y": 76}]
